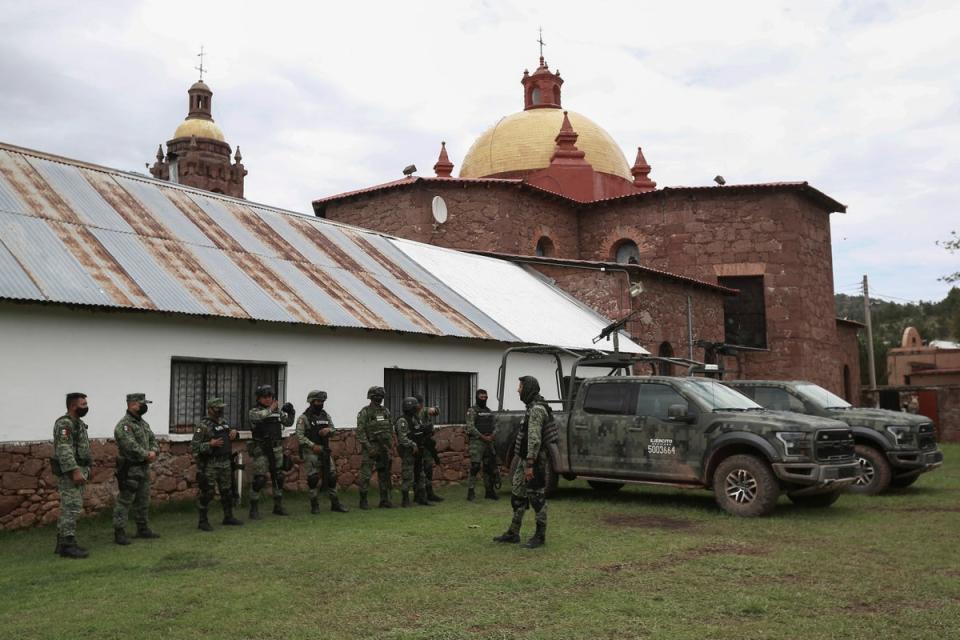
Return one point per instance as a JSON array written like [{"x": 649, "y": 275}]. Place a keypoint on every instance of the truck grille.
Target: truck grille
[
  {"x": 834, "y": 445},
  {"x": 926, "y": 439}
]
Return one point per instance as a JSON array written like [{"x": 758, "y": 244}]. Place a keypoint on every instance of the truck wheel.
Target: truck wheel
[
  {"x": 874, "y": 471},
  {"x": 818, "y": 501},
  {"x": 902, "y": 483},
  {"x": 744, "y": 485},
  {"x": 605, "y": 487}
]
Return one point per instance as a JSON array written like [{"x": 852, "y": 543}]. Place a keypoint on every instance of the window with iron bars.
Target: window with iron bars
[
  {"x": 193, "y": 382},
  {"x": 451, "y": 392}
]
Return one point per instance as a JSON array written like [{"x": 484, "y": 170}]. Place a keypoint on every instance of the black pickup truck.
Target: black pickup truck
[{"x": 691, "y": 432}]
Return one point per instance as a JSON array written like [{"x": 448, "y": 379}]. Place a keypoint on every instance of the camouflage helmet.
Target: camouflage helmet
[
  {"x": 409, "y": 404},
  {"x": 376, "y": 392},
  {"x": 215, "y": 403},
  {"x": 317, "y": 395},
  {"x": 264, "y": 390}
]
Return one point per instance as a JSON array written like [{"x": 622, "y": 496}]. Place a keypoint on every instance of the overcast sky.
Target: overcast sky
[{"x": 858, "y": 98}]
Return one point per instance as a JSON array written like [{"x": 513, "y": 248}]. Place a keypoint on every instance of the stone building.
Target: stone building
[
  {"x": 552, "y": 184},
  {"x": 198, "y": 154}
]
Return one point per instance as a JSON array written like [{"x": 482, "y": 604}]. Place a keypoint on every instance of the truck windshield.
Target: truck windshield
[
  {"x": 822, "y": 398},
  {"x": 717, "y": 396}
]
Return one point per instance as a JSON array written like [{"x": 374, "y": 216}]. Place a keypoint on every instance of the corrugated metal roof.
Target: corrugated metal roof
[{"x": 76, "y": 233}]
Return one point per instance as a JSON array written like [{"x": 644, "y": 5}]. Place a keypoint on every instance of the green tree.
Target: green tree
[{"x": 952, "y": 245}]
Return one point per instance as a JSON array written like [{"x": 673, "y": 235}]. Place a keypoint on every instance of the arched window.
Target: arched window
[
  {"x": 535, "y": 97},
  {"x": 545, "y": 247},
  {"x": 626, "y": 252},
  {"x": 556, "y": 95},
  {"x": 665, "y": 351}
]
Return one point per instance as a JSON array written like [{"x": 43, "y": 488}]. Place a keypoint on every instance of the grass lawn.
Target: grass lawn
[{"x": 643, "y": 563}]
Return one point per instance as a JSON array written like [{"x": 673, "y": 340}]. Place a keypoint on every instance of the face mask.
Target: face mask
[
  {"x": 316, "y": 408},
  {"x": 482, "y": 401},
  {"x": 218, "y": 413},
  {"x": 377, "y": 399},
  {"x": 82, "y": 412},
  {"x": 143, "y": 408}
]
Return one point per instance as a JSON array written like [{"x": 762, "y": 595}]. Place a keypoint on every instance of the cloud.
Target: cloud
[{"x": 859, "y": 98}]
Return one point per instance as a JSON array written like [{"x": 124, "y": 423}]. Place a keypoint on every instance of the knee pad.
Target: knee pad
[
  {"x": 517, "y": 502},
  {"x": 538, "y": 503},
  {"x": 474, "y": 468},
  {"x": 313, "y": 481},
  {"x": 259, "y": 482}
]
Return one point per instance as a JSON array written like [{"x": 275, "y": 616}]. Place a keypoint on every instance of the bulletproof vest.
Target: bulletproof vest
[
  {"x": 483, "y": 420},
  {"x": 316, "y": 422},
  {"x": 419, "y": 431},
  {"x": 269, "y": 428},
  {"x": 378, "y": 421},
  {"x": 520, "y": 445},
  {"x": 221, "y": 431}
]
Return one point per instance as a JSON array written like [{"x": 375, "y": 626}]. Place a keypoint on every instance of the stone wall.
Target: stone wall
[
  {"x": 486, "y": 217},
  {"x": 28, "y": 488},
  {"x": 948, "y": 413}
]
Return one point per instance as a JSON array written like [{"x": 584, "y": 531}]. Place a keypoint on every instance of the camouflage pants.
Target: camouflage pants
[
  {"x": 375, "y": 456},
  {"x": 529, "y": 494},
  {"x": 261, "y": 468},
  {"x": 71, "y": 504},
  {"x": 214, "y": 475},
  {"x": 135, "y": 494},
  {"x": 413, "y": 472},
  {"x": 483, "y": 456},
  {"x": 320, "y": 469}
]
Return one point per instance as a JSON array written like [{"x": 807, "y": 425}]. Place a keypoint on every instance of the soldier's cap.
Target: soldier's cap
[
  {"x": 264, "y": 390},
  {"x": 317, "y": 395},
  {"x": 215, "y": 403},
  {"x": 138, "y": 397}
]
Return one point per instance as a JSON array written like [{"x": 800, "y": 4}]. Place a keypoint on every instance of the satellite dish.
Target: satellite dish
[{"x": 439, "y": 209}]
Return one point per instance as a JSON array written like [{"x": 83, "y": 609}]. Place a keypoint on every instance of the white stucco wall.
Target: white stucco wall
[{"x": 47, "y": 351}]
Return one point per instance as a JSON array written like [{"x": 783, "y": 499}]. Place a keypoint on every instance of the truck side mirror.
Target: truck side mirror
[{"x": 678, "y": 413}]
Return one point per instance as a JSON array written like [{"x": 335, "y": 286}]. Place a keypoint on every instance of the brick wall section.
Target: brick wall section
[
  {"x": 28, "y": 488},
  {"x": 662, "y": 307},
  {"x": 849, "y": 357},
  {"x": 948, "y": 410},
  {"x": 483, "y": 217},
  {"x": 782, "y": 236}
]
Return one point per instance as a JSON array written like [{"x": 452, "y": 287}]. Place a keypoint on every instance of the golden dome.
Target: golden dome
[
  {"x": 525, "y": 141},
  {"x": 200, "y": 128}
]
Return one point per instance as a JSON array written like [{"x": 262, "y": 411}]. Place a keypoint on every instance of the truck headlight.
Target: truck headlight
[
  {"x": 795, "y": 443},
  {"x": 903, "y": 436}
]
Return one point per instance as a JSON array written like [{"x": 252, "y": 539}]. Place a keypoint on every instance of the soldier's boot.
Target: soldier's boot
[
  {"x": 144, "y": 531},
  {"x": 508, "y": 536},
  {"x": 431, "y": 496},
  {"x": 421, "y": 498},
  {"x": 228, "y": 518},
  {"x": 489, "y": 492},
  {"x": 336, "y": 506},
  {"x": 278, "y": 509},
  {"x": 204, "y": 524},
  {"x": 69, "y": 548},
  {"x": 314, "y": 506},
  {"x": 120, "y": 536},
  {"x": 538, "y": 539},
  {"x": 385, "y": 498},
  {"x": 404, "y": 498},
  {"x": 471, "y": 494},
  {"x": 254, "y": 510},
  {"x": 363, "y": 501},
  {"x": 56, "y": 549}
]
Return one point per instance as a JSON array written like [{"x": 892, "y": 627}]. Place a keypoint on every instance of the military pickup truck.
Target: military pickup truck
[
  {"x": 690, "y": 432},
  {"x": 893, "y": 448}
]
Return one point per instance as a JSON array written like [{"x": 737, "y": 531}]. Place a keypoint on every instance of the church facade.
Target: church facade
[{"x": 551, "y": 184}]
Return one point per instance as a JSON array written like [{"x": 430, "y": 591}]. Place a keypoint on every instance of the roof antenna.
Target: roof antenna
[{"x": 200, "y": 68}]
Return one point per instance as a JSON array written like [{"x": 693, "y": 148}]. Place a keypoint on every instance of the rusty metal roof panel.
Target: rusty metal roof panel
[
  {"x": 72, "y": 187},
  {"x": 231, "y": 225},
  {"x": 155, "y": 202},
  {"x": 43, "y": 255},
  {"x": 254, "y": 300},
  {"x": 9, "y": 200},
  {"x": 374, "y": 301},
  {"x": 289, "y": 234},
  {"x": 136, "y": 257},
  {"x": 333, "y": 312},
  {"x": 15, "y": 283},
  {"x": 339, "y": 238}
]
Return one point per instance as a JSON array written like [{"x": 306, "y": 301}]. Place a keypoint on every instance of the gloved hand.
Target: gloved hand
[{"x": 288, "y": 407}]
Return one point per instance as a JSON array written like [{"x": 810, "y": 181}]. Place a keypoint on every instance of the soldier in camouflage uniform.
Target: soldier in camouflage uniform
[
  {"x": 481, "y": 430},
  {"x": 137, "y": 449},
  {"x": 410, "y": 436},
  {"x": 375, "y": 435},
  {"x": 314, "y": 428},
  {"x": 211, "y": 448},
  {"x": 426, "y": 416},
  {"x": 266, "y": 448},
  {"x": 529, "y": 478},
  {"x": 72, "y": 465}
]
